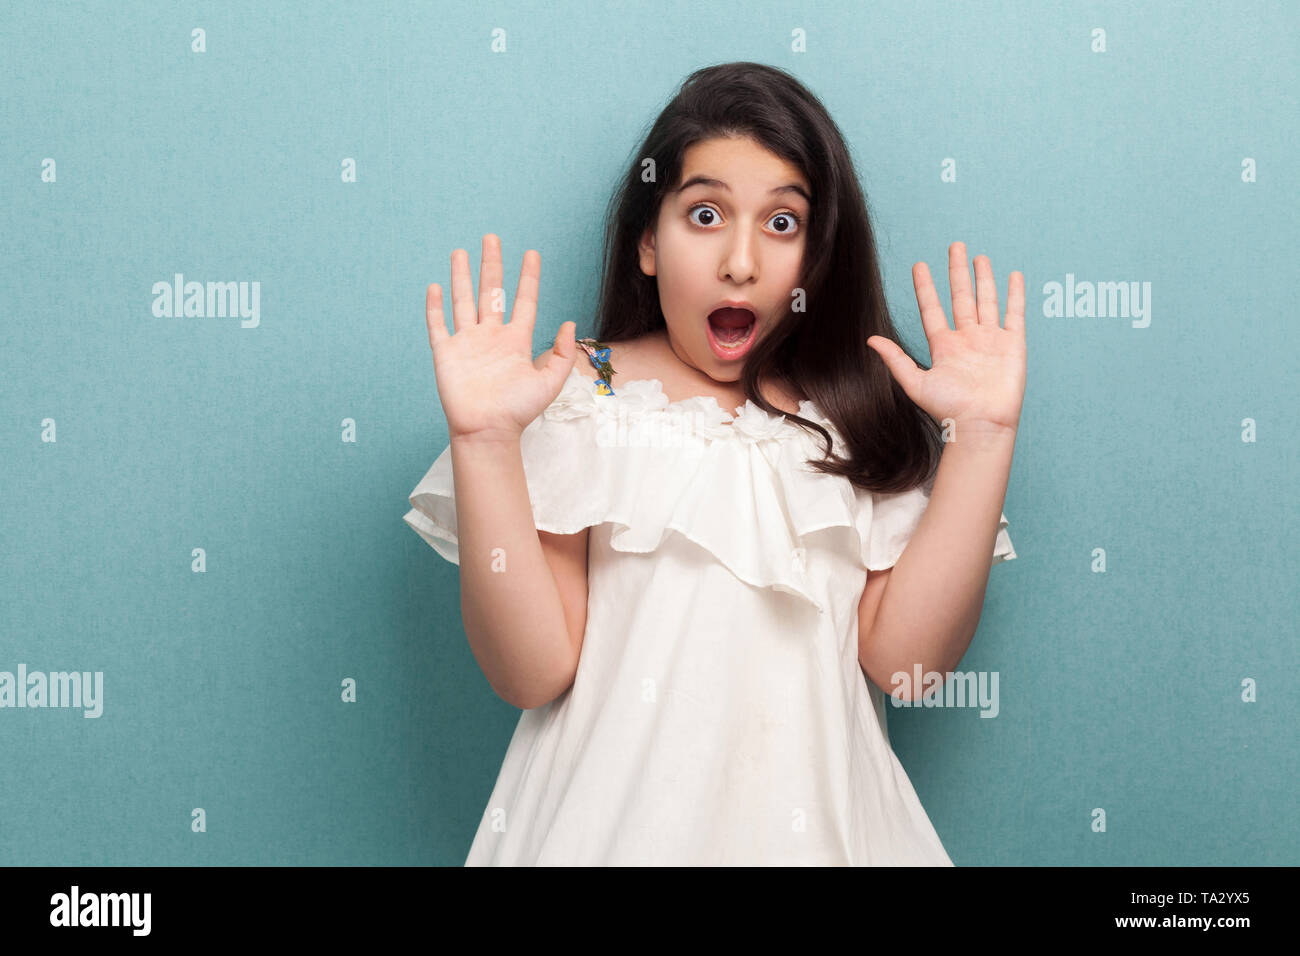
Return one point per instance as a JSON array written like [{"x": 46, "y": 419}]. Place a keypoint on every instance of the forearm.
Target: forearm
[
  {"x": 932, "y": 601},
  {"x": 509, "y": 600}
]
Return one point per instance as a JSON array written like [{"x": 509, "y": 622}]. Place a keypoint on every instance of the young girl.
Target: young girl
[{"x": 700, "y": 612}]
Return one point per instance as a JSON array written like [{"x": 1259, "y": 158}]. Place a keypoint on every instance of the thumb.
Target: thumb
[
  {"x": 563, "y": 354},
  {"x": 906, "y": 372}
]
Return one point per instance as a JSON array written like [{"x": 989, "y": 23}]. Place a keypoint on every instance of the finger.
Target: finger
[
  {"x": 933, "y": 319},
  {"x": 1016, "y": 303},
  {"x": 463, "y": 313},
  {"x": 560, "y": 360},
  {"x": 963, "y": 298},
  {"x": 433, "y": 317},
  {"x": 986, "y": 292},
  {"x": 491, "y": 290},
  {"x": 906, "y": 372},
  {"x": 525, "y": 308}
]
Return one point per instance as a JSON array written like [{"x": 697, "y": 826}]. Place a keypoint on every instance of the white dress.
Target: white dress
[{"x": 719, "y": 715}]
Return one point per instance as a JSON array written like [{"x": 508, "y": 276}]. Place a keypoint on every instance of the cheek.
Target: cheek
[
  {"x": 792, "y": 258},
  {"x": 788, "y": 268},
  {"x": 683, "y": 273},
  {"x": 674, "y": 246}
]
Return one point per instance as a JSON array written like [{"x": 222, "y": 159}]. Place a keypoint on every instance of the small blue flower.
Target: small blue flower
[
  {"x": 602, "y": 355},
  {"x": 602, "y": 387}
]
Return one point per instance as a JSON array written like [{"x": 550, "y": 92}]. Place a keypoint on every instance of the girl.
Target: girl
[{"x": 700, "y": 612}]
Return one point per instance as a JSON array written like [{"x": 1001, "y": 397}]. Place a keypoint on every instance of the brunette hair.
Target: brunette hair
[{"x": 890, "y": 444}]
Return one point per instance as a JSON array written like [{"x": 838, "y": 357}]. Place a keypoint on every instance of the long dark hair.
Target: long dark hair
[{"x": 890, "y": 444}]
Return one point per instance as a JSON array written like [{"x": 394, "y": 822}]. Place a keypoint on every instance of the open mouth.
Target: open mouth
[{"x": 732, "y": 328}]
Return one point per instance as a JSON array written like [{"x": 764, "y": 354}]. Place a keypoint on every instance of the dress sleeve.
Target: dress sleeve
[
  {"x": 433, "y": 509},
  {"x": 559, "y": 449},
  {"x": 893, "y": 518}
]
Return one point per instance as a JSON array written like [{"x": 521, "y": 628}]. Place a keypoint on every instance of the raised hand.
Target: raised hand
[
  {"x": 485, "y": 375},
  {"x": 977, "y": 375}
]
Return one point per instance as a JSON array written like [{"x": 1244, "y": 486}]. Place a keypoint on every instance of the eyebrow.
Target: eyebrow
[{"x": 719, "y": 184}]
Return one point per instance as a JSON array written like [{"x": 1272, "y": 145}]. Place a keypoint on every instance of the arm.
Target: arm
[
  {"x": 925, "y": 609},
  {"x": 525, "y": 623},
  {"x": 522, "y": 591}
]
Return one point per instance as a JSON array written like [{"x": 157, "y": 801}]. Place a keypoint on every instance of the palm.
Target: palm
[
  {"x": 977, "y": 372},
  {"x": 487, "y": 382}
]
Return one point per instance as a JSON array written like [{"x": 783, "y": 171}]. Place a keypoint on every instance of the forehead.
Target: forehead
[{"x": 742, "y": 163}]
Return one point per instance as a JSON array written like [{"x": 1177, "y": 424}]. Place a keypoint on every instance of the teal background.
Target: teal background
[{"x": 222, "y": 690}]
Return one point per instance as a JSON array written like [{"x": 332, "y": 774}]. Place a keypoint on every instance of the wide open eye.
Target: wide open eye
[
  {"x": 713, "y": 215},
  {"x": 790, "y": 223}
]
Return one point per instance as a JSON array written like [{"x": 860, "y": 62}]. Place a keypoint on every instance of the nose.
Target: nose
[{"x": 738, "y": 263}]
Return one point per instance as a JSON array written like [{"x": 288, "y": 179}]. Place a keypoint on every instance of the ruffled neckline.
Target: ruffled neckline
[{"x": 644, "y": 397}]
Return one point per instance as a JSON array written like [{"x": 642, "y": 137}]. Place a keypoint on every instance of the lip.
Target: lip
[
  {"x": 721, "y": 351},
  {"x": 732, "y": 304}
]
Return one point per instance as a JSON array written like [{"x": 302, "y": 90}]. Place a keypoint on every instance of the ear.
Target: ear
[{"x": 646, "y": 252}]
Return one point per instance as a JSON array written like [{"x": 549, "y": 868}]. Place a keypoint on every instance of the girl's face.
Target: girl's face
[{"x": 732, "y": 232}]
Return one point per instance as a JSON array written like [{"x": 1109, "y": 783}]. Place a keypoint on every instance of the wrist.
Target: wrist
[
  {"x": 981, "y": 432},
  {"x": 487, "y": 439}
]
